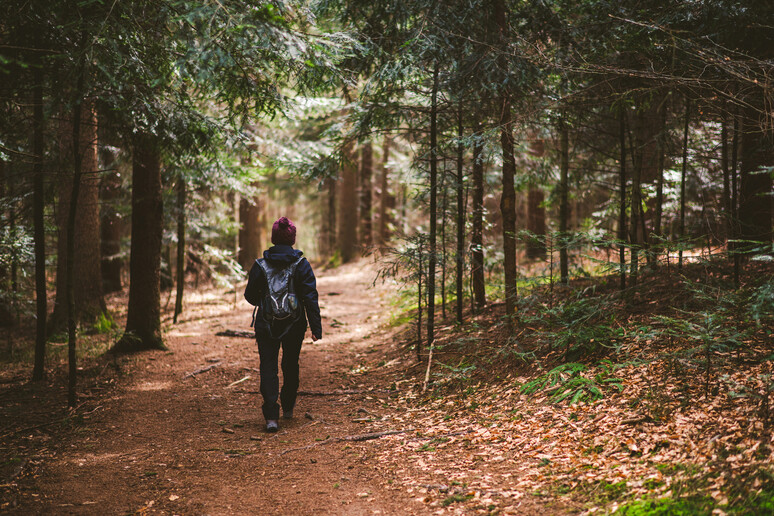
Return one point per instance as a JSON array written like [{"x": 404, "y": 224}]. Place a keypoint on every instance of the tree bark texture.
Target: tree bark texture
[
  {"x": 564, "y": 208},
  {"x": 508, "y": 198},
  {"x": 366, "y": 193},
  {"x": 328, "y": 222},
  {"x": 683, "y": 173},
  {"x": 460, "y": 216},
  {"x": 536, "y": 224},
  {"x": 755, "y": 199},
  {"x": 622, "y": 199},
  {"x": 348, "y": 204},
  {"x": 111, "y": 230},
  {"x": 143, "y": 320},
  {"x": 180, "y": 268},
  {"x": 38, "y": 209},
  {"x": 477, "y": 229},
  {"x": 250, "y": 231},
  {"x": 89, "y": 298},
  {"x": 431, "y": 252},
  {"x": 386, "y": 198}
]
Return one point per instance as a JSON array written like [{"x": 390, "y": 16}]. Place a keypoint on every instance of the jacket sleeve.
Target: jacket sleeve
[
  {"x": 307, "y": 288},
  {"x": 253, "y": 292}
]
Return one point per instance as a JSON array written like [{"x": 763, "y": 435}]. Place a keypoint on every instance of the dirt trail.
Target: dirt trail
[{"x": 164, "y": 443}]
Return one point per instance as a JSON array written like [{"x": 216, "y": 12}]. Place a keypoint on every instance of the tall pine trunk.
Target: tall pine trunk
[
  {"x": 77, "y": 165},
  {"x": 477, "y": 229},
  {"x": 657, "y": 224},
  {"x": 347, "y": 198},
  {"x": 386, "y": 198},
  {"x": 460, "y": 215},
  {"x": 38, "y": 210},
  {"x": 180, "y": 268},
  {"x": 366, "y": 192},
  {"x": 564, "y": 208},
  {"x": 87, "y": 261},
  {"x": 755, "y": 199},
  {"x": 431, "y": 259},
  {"x": 682, "y": 182},
  {"x": 111, "y": 230},
  {"x": 143, "y": 320},
  {"x": 622, "y": 198},
  {"x": 508, "y": 198},
  {"x": 250, "y": 230}
]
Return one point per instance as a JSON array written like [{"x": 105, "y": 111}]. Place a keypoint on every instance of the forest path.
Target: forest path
[{"x": 165, "y": 443}]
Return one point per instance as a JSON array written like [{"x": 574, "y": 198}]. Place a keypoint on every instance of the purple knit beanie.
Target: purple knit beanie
[{"x": 283, "y": 232}]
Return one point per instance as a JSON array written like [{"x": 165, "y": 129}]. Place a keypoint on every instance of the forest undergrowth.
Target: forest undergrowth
[{"x": 651, "y": 401}]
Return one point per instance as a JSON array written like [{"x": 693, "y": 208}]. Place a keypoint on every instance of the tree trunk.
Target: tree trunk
[
  {"x": 180, "y": 269},
  {"x": 564, "y": 208},
  {"x": 622, "y": 199},
  {"x": 755, "y": 199},
  {"x": 328, "y": 223},
  {"x": 143, "y": 320},
  {"x": 726, "y": 178},
  {"x": 444, "y": 220},
  {"x": 682, "y": 182},
  {"x": 250, "y": 231},
  {"x": 536, "y": 224},
  {"x": 111, "y": 231},
  {"x": 347, "y": 196},
  {"x": 508, "y": 198},
  {"x": 386, "y": 198},
  {"x": 459, "y": 186},
  {"x": 78, "y": 165},
  {"x": 38, "y": 209},
  {"x": 431, "y": 259},
  {"x": 477, "y": 233},
  {"x": 636, "y": 209},
  {"x": 366, "y": 192},
  {"x": 89, "y": 298},
  {"x": 657, "y": 230},
  {"x": 735, "y": 196}
]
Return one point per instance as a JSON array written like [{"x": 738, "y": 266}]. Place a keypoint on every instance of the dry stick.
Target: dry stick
[
  {"x": 201, "y": 370},
  {"x": 427, "y": 372},
  {"x": 339, "y": 393},
  {"x": 351, "y": 438}
]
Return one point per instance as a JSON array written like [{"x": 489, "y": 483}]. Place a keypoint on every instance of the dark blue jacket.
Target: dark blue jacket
[{"x": 304, "y": 282}]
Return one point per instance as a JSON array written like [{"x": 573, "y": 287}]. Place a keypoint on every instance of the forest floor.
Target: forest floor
[{"x": 180, "y": 431}]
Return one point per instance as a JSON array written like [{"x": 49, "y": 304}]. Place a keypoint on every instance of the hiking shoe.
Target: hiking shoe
[
  {"x": 272, "y": 426},
  {"x": 287, "y": 414}
]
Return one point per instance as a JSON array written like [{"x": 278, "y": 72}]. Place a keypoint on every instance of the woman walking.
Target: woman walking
[{"x": 283, "y": 288}]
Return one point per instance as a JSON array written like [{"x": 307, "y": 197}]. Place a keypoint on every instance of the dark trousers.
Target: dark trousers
[{"x": 268, "y": 350}]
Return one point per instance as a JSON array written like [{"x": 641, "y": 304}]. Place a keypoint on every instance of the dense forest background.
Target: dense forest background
[{"x": 482, "y": 150}]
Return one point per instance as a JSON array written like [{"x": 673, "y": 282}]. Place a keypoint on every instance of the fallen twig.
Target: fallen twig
[
  {"x": 351, "y": 438},
  {"x": 202, "y": 370},
  {"x": 236, "y": 333},
  {"x": 339, "y": 393},
  {"x": 427, "y": 373}
]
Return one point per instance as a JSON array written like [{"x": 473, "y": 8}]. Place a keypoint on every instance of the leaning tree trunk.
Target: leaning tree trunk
[
  {"x": 366, "y": 192},
  {"x": 682, "y": 182},
  {"x": 87, "y": 265},
  {"x": 347, "y": 196},
  {"x": 477, "y": 230},
  {"x": 431, "y": 258},
  {"x": 143, "y": 320},
  {"x": 38, "y": 209}
]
